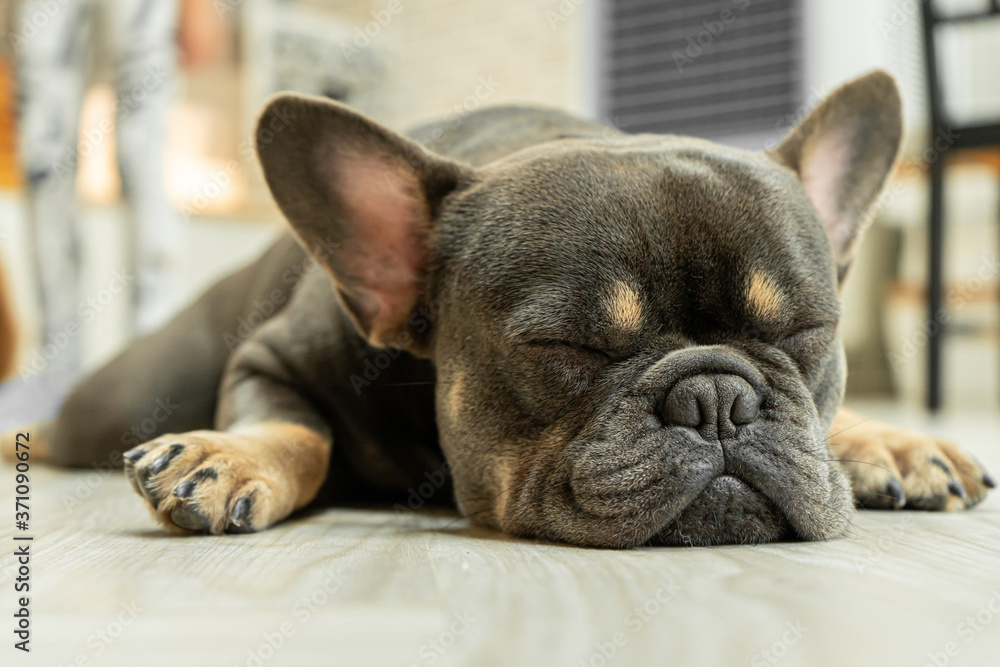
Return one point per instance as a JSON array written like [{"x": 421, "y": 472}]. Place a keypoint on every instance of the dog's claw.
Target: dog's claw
[
  {"x": 184, "y": 489},
  {"x": 205, "y": 473},
  {"x": 160, "y": 464},
  {"x": 238, "y": 522},
  {"x": 941, "y": 464},
  {"x": 241, "y": 510},
  {"x": 988, "y": 481},
  {"x": 895, "y": 489},
  {"x": 956, "y": 489},
  {"x": 134, "y": 455}
]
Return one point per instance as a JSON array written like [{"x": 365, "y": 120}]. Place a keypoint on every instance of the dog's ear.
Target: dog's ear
[
  {"x": 362, "y": 199},
  {"x": 843, "y": 152}
]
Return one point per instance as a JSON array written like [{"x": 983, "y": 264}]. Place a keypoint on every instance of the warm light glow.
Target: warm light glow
[{"x": 97, "y": 179}]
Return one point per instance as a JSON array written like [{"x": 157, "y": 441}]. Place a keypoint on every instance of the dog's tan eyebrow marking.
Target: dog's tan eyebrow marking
[
  {"x": 763, "y": 296},
  {"x": 623, "y": 306},
  {"x": 504, "y": 473},
  {"x": 455, "y": 396}
]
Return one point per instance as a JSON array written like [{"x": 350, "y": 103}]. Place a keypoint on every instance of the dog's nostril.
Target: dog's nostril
[
  {"x": 690, "y": 402},
  {"x": 714, "y": 404},
  {"x": 745, "y": 407}
]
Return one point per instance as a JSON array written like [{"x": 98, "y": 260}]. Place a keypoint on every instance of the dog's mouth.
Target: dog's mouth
[
  {"x": 704, "y": 505},
  {"x": 727, "y": 511},
  {"x": 674, "y": 488}
]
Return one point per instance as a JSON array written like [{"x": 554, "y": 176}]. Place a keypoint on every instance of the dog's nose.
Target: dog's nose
[{"x": 713, "y": 404}]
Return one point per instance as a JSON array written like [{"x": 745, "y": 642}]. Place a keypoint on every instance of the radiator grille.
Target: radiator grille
[{"x": 710, "y": 68}]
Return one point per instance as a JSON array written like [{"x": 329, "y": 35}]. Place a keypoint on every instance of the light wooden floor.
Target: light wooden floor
[{"x": 355, "y": 587}]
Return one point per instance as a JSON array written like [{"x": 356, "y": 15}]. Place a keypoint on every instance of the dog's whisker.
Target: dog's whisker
[
  {"x": 875, "y": 465},
  {"x": 834, "y": 435}
]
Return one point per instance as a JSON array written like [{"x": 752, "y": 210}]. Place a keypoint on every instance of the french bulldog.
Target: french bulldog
[{"x": 586, "y": 336}]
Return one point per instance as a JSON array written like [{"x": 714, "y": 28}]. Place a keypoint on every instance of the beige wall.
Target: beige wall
[
  {"x": 444, "y": 56},
  {"x": 429, "y": 60}
]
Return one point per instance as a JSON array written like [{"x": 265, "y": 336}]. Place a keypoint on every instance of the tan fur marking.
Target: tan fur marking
[
  {"x": 456, "y": 390},
  {"x": 504, "y": 475},
  {"x": 764, "y": 297},
  {"x": 298, "y": 453},
  {"x": 623, "y": 306}
]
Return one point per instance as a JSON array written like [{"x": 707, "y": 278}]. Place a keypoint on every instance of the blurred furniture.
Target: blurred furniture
[
  {"x": 982, "y": 137},
  {"x": 718, "y": 69}
]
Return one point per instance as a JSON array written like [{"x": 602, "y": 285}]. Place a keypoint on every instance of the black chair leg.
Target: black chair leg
[{"x": 935, "y": 286}]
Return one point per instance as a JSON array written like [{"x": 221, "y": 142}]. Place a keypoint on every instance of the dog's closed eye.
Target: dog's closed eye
[
  {"x": 570, "y": 347},
  {"x": 575, "y": 364},
  {"x": 806, "y": 346}
]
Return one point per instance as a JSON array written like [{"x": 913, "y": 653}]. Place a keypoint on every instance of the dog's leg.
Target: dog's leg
[
  {"x": 894, "y": 467},
  {"x": 269, "y": 457}
]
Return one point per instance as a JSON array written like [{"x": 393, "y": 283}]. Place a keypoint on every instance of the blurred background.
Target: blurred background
[{"x": 737, "y": 71}]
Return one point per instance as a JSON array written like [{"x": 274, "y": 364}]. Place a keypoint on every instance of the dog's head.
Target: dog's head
[{"x": 635, "y": 336}]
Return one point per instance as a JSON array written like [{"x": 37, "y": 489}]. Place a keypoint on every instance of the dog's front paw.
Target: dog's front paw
[
  {"x": 891, "y": 467},
  {"x": 208, "y": 481}
]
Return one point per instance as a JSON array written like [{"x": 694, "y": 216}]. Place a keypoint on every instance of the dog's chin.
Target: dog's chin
[{"x": 727, "y": 511}]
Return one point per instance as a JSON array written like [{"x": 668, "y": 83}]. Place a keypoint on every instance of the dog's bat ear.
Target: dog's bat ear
[
  {"x": 843, "y": 153},
  {"x": 363, "y": 201}
]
